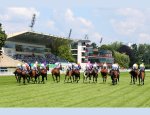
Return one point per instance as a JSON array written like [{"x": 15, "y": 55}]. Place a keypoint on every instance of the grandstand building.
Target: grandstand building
[{"x": 30, "y": 47}]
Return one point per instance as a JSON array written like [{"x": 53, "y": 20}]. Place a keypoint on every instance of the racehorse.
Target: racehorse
[
  {"x": 56, "y": 72},
  {"x": 141, "y": 77},
  {"x": 76, "y": 75},
  {"x": 114, "y": 76},
  {"x": 35, "y": 74},
  {"x": 94, "y": 73},
  {"x": 43, "y": 73},
  {"x": 68, "y": 76},
  {"x": 104, "y": 73},
  {"x": 24, "y": 75},
  {"x": 90, "y": 73},
  {"x": 18, "y": 73},
  {"x": 86, "y": 75},
  {"x": 134, "y": 75}
]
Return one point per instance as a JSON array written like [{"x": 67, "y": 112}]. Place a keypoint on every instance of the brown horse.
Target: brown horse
[
  {"x": 24, "y": 75},
  {"x": 104, "y": 73},
  {"x": 43, "y": 73},
  {"x": 18, "y": 73},
  {"x": 56, "y": 72},
  {"x": 68, "y": 76},
  {"x": 134, "y": 75},
  {"x": 114, "y": 76},
  {"x": 141, "y": 77},
  {"x": 76, "y": 75},
  {"x": 35, "y": 74}
]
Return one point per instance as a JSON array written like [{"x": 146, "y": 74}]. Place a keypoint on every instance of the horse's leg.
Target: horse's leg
[
  {"x": 46, "y": 76},
  {"x": 59, "y": 78},
  {"x": 105, "y": 78},
  {"x": 19, "y": 78},
  {"x": 53, "y": 77},
  {"x": 131, "y": 79},
  {"x": 118, "y": 77},
  {"x": 139, "y": 79},
  {"x": 143, "y": 80}
]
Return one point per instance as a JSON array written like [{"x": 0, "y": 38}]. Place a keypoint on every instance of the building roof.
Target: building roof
[
  {"x": 32, "y": 37},
  {"x": 6, "y": 61}
]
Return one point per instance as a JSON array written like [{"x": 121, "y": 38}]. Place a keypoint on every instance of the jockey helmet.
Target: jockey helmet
[
  {"x": 104, "y": 65},
  {"x": 142, "y": 65},
  {"x": 42, "y": 65},
  {"x": 23, "y": 65},
  {"x": 135, "y": 66},
  {"x": 18, "y": 64}
]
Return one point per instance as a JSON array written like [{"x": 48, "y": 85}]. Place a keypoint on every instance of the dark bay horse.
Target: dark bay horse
[
  {"x": 56, "y": 72},
  {"x": 43, "y": 73},
  {"x": 94, "y": 74},
  {"x": 104, "y": 73},
  {"x": 141, "y": 77},
  {"x": 18, "y": 73},
  {"x": 76, "y": 75},
  {"x": 89, "y": 74},
  {"x": 114, "y": 76},
  {"x": 86, "y": 75},
  {"x": 134, "y": 75}
]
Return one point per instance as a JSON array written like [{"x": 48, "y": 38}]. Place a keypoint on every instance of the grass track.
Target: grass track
[{"x": 53, "y": 94}]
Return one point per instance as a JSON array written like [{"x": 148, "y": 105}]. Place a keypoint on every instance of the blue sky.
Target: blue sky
[{"x": 113, "y": 20}]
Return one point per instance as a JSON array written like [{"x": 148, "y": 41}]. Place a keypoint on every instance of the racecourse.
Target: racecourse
[{"x": 50, "y": 94}]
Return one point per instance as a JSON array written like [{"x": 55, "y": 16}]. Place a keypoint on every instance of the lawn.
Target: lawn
[{"x": 50, "y": 94}]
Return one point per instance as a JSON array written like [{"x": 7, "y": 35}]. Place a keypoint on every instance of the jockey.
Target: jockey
[
  {"x": 95, "y": 66},
  {"x": 89, "y": 66},
  {"x": 24, "y": 67},
  {"x": 135, "y": 66},
  {"x": 35, "y": 65},
  {"x": 79, "y": 66},
  {"x": 19, "y": 66},
  {"x": 76, "y": 67},
  {"x": 27, "y": 65},
  {"x": 69, "y": 67},
  {"x": 58, "y": 65},
  {"x": 105, "y": 66},
  {"x": 42, "y": 66},
  {"x": 142, "y": 67},
  {"x": 115, "y": 66}
]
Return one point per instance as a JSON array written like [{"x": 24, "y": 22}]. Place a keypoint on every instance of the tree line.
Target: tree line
[{"x": 126, "y": 55}]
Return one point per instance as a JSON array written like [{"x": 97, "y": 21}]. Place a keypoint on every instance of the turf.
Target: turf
[{"x": 50, "y": 94}]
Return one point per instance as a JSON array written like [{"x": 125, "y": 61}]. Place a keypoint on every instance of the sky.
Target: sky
[{"x": 126, "y": 21}]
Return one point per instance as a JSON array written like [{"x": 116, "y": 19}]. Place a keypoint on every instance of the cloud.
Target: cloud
[
  {"x": 16, "y": 19},
  {"x": 130, "y": 22},
  {"x": 80, "y": 26}
]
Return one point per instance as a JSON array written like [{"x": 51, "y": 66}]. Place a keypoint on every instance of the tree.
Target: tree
[
  {"x": 64, "y": 52},
  {"x": 94, "y": 45},
  {"x": 122, "y": 59},
  {"x": 128, "y": 51},
  {"x": 3, "y": 37}
]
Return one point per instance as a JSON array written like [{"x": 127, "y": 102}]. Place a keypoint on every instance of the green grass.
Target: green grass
[{"x": 82, "y": 94}]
